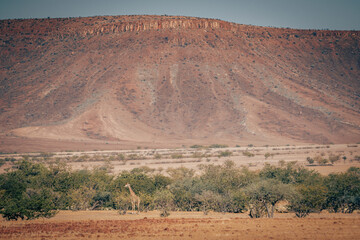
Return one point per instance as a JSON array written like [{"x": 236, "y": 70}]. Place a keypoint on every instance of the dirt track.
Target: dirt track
[{"x": 180, "y": 225}]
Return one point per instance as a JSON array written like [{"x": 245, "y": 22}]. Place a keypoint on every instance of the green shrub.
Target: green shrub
[
  {"x": 308, "y": 199},
  {"x": 197, "y": 146},
  {"x": 226, "y": 153},
  {"x": 23, "y": 195},
  {"x": 310, "y": 160},
  {"x": 133, "y": 156},
  {"x": 218, "y": 146},
  {"x": 164, "y": 201},
  {"x": 176, "y": 156},
  {"x": 264, "y": 194},
  {"x": 157, "y": 156},
  {"x": 120, "y": 156},
  {"x": 344, "y": 191}
]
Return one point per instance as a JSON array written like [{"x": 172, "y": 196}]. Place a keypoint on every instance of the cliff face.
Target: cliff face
[
  {"x": 91, "y": 26},
  {"x": 180, "y": 79}
]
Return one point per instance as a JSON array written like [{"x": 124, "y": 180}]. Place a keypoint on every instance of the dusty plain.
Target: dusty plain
[{"x": 183, "y": 225}]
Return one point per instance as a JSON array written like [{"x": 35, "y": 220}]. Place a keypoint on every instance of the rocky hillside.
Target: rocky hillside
[{"x": 183, "y": 80}]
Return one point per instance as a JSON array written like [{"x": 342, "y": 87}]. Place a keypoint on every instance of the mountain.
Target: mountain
[{"x": 170, "y": 80}]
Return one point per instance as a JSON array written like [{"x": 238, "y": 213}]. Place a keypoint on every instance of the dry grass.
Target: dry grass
[{"x": 119, "y": 160}]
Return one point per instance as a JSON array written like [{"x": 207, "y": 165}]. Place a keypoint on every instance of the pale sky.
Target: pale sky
[{"x": 304, "y": 14}]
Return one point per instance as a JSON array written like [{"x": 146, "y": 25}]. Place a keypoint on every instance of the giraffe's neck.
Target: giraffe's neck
[{"x": 131, "y": 191}]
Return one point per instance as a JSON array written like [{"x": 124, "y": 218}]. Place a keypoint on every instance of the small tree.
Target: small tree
[
  {"x": 180, "y": 173},
  {"x": 334, "y": 158},
  {"x": 121, "y": 201},
  {"x": 344, "y": 191},
  {"x": 32, "y": 204},
  {"x": 81, "y": 198},
  {"x": 320, "y": 160},
  {"x": 209, "y": 200},
  {"x": 307, "y": 200},
  {"x": 238, "y": 202},
  {"x": 310, "y": 160},
  {"x": 163, "y": 200},
  {"x": 183, "y": 197},
  {"x": 100, "y": 199},
  {"x": 265, "y": 194},
  {"x": 23, "y": 196}
]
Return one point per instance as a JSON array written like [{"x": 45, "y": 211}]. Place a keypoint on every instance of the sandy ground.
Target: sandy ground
[{"x": 183, "y": 225}]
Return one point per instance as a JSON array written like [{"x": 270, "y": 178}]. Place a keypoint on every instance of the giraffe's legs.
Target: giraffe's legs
[
  {"x": 138, "y": 205},
  {"x": 133, "y": 205}
]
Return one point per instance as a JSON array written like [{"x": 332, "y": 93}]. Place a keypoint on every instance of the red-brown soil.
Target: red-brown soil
[
  {"x": 111, "y": 225},
  {"x": 166, "y": 81}
]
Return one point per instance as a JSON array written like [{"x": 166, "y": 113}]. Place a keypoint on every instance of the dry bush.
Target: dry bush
[{"x": 248, "y": 154}]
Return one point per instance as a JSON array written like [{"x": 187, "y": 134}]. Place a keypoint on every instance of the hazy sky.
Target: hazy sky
[{"x": 318, "y": 14}]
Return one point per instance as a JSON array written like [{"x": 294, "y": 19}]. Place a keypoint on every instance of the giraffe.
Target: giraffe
[{"x": 134, "y": 198}]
